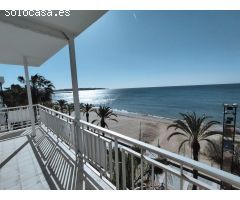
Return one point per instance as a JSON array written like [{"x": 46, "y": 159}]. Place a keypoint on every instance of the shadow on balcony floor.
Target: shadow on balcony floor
[
  {"x": 58, "y": 166},
  {"x": 42, "y": 162},
  {"x": 19, "y": 168}
]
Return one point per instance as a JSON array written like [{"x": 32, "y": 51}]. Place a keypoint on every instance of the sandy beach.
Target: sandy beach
[{"x": 153, "y": 131}]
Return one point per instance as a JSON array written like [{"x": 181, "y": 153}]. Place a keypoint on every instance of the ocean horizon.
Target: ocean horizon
[{"x": 165, "y": 102}]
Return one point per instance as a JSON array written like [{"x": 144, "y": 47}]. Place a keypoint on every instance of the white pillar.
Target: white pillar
[
  {"x": 25, "y": 63},
  {"x": 75, "y": 93},
  {"x": 74, "y": 78},
  {"x": 77, "y": 131}
]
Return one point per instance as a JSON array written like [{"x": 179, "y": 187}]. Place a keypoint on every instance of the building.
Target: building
[{"x": 47, "y": 149}]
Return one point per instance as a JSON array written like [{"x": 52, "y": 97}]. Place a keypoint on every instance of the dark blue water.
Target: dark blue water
[{"x": 164, "y": 101}]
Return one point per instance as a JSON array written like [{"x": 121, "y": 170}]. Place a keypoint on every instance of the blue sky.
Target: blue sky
[{"x": 149, "y": 48}]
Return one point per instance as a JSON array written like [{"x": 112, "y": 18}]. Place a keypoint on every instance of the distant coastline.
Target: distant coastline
[
  {"x": 150, "y": 87},
  {"x": 179, "y": 86},
  {"x": 165, "y": 102},
  {"x": 70, "y": 89}
]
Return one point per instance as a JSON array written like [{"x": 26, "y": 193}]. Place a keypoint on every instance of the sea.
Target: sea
[{"x": 163, "y": 102}]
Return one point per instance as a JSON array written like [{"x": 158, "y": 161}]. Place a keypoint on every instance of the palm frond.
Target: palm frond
[
  {"x": 210, "y": 142},
  {"x": 21, "y": 79},
  {"x": 194, "y": 129},
  {"x": 93, "y": 121},
  {"x": 175, "y": 133},
  {"x": 113, "y": 119},
  {"x": 179, "y": 124},
  {"x": 190, "y": 121},
  {"x": 210, "y": 133},
  {"x": 106, "y": 126},
  {"x": 182, "y": 143},
  {"x": 105, "y": 113},
  {"x": 208, "y": 126}
]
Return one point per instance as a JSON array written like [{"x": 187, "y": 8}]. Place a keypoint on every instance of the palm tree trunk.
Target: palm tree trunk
[
  {"x": 102, "y": 123},
  {"x": 195, "y": 150},
  {"x": 195, "y": 172},
  {"x": 87, "y": 116}
]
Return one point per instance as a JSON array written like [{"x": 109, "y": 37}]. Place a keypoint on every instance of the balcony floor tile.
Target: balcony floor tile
[{"x": 21, "y": 170}]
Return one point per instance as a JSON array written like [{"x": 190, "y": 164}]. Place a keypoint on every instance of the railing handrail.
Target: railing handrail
[
  {"x": 16, "y": 107},
  {"x": 57, "y": 112},
  {"x": 217, "y": 173},
  {"x": 209, "y": 170}
]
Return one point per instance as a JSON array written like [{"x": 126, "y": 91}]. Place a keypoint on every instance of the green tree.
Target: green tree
[
  {"x": 70, "y": 107},
  {"x": 104, "y": 113},
  {"x": 15, "y": 95},
  {"x": 56, "y": 106},
  {"x": 86, "y": 109},
  {"x": 48, "y": 104},
  {"x": 41, "y": 88},
  {"x": 194, "y": 130},
  {"x": 62, "y": 104}
]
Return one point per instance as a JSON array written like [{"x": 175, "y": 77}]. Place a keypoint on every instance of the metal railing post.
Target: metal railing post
[
  {"x": 132, "y": 171},
  {"x": 165, "y": 180},
  {"x": 141, "y": 169},
  {"x": 110, "y": 160},
  {"x": 181, "y": 178},
  {"x": 123, "y": 170},
  {"x": 152, "y": 173},
  {"x": 116, "y": 163}
]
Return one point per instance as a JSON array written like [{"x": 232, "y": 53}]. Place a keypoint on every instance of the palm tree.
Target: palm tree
[
  {"x": 86, "y": 109},
  {"x": 62, "y": 104},
  {"x": 104, "y": 113},
  {"x": 56, "y": 106},
  {"x": 194, "y": 130},
  {"x": 41, "y": 88},
  {"x": 48, "y": 104},
  {"x": 70, "y": 108}
]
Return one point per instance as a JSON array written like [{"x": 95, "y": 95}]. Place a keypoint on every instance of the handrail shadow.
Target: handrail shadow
[
  {"x": 13, "y": 154},
  {"x": 57, "y": 166}
]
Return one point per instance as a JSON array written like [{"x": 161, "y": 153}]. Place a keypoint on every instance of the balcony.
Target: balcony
[{"x": 65, "y": 154}]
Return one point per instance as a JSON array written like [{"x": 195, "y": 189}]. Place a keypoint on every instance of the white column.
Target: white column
[
  {"x": 75, "y": 93},
  {"x": 77, "y": 131},
  {"x": 25, "y": 63},
  {"x": 74, "y": 79}
]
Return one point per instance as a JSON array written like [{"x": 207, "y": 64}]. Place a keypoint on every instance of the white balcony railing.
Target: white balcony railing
[
  {"x": 127, "y": 163},
  {"x": 15, "y": 118},
  {"x": 132, "y": 164}
]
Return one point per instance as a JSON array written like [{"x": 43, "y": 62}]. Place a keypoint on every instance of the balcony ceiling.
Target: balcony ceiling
[{"x": 39, "y": 38}]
